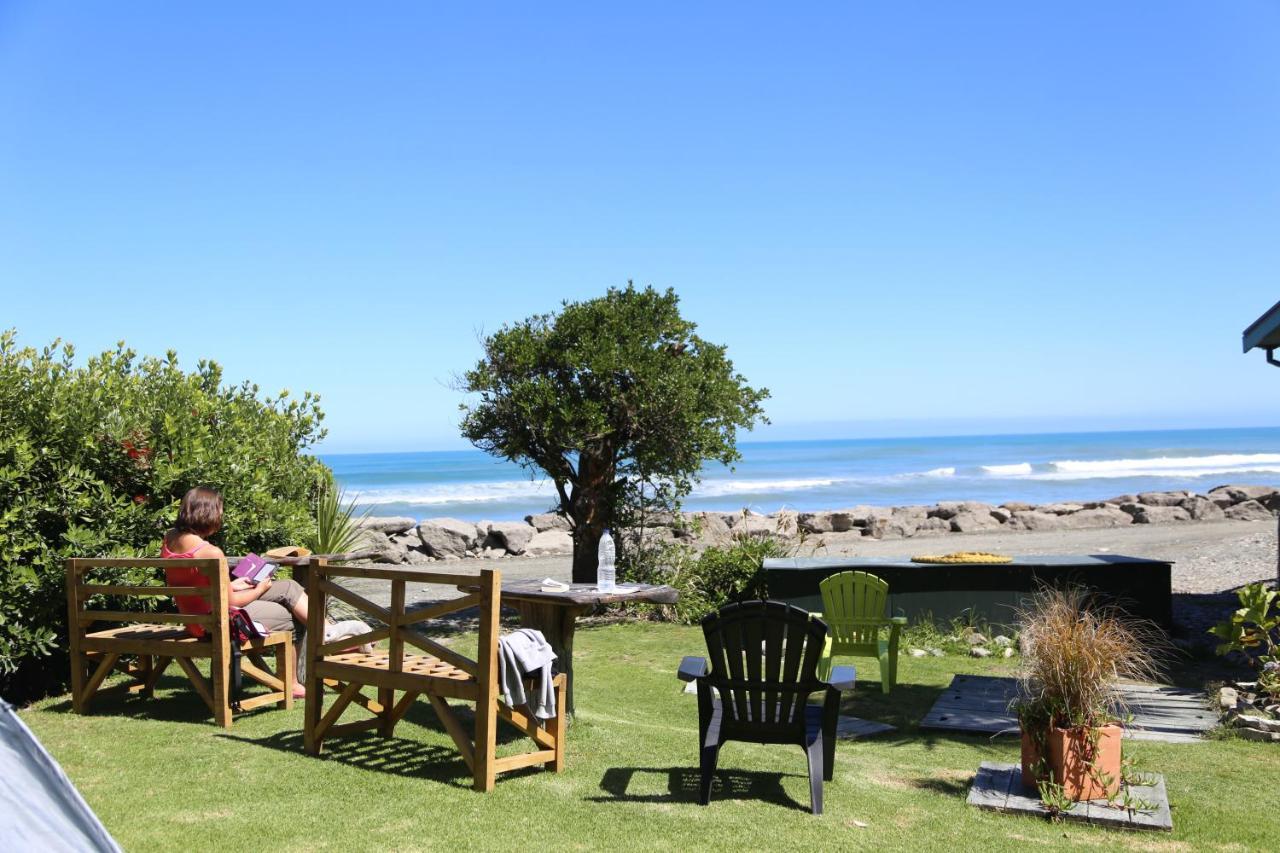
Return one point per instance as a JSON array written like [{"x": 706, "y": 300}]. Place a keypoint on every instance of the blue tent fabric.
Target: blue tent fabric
[{"x": 39, "y": 807}]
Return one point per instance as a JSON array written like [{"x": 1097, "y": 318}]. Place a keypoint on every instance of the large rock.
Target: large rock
[
  {"x": 711, "y": 527},
  {"x": 1248, "y": 511},
  {"x": 548, "y": 521},
  {"x": 1155, "y": 513},
  {"x": 386, "y": 550},
  {"x": 973, "y": 522},
  {"x": 1122, "y": 499},
  {"x": 1017, "y": 506},
  {"x": 933, "y": 527},
  {"x": 1203, "y": 509},
  {"x": 513, "y": 536},
  {"x": 447, "y": 537},
  {"x": 1061, "y": 508},
  {"x": 388, "y": 524},
  {"x": 549, "y": 543},
  {"x": 1163, "y": 498},
  {"x": 950, "y": 509},
  {"x": 1031, "y": 519},
  {"x": 816, "y": 522},
  {"x": 1225, "y": 496},
  {"x": 1104, "y": 516}
]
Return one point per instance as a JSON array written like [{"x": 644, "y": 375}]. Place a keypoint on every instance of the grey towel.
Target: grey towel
[{"x": 527, "y": 652}]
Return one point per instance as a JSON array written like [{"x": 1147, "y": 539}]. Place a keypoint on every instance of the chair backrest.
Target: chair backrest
[
  {"x": 764, "y": 663},
  {"x": 398, "y": 625},
  {"x": 854, "y": 605},
  {"x": 80, "y": 590}
]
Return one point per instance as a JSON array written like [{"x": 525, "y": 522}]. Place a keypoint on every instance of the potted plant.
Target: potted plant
[{"x": 1069, "y": 705}]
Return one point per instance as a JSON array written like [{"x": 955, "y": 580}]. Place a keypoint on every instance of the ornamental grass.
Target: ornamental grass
[{"x": 1074, "y": 654}]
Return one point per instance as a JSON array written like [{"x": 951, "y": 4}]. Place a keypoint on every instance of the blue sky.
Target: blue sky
[{"x": 900, "y": 217}]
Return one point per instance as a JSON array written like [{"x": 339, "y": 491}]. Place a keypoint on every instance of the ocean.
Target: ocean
[{"x": 810, "y": 475}]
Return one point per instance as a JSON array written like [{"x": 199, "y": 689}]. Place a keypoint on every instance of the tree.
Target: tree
[{"x": 616, "y": 400}]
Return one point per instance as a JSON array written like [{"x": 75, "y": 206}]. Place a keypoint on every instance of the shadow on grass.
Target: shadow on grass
[
  {"x": 175, "y": 701},
  {"x": 948, "y": 787},
  {"x": 370, "y": 751},
  {"x": 682, "y": 786},
  {"x": 903, "y": 708}
]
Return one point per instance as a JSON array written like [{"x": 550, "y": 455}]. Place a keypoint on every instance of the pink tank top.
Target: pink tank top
[{"x": 189, "y": 604}]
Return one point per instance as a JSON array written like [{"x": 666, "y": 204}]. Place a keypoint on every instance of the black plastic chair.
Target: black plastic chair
[{"x": 762, "y": 669}]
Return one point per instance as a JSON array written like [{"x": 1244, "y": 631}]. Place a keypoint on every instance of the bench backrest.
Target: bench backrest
[{"x": 81, "y": 589}]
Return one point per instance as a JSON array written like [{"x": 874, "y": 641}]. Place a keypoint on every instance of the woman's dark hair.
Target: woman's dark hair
[{"x": 200, "y": 512}]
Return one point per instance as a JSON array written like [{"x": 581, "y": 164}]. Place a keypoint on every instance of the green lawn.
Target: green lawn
[{"x": 161, "y": 776}]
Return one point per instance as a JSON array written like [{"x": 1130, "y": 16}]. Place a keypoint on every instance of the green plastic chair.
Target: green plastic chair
[{"x": 854, "y": 607}]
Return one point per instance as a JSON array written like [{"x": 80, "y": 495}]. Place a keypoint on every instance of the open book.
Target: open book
[{"x": 254, "y": 569}]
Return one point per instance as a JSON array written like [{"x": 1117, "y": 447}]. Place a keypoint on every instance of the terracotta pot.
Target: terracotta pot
[
  {"x": 1030, "y": 758},
  {"x": 1086, "y": 770}
]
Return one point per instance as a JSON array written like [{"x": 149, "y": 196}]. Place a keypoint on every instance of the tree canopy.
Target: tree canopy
[{"x": 616, "y": 400}]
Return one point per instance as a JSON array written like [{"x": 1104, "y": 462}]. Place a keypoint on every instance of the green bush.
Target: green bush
[
  {"x": 94, "y": 460},
  {"x": 706, "y": 581}
]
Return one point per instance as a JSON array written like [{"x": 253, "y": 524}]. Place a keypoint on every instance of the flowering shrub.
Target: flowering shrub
[{"x": 93, "y": 462}]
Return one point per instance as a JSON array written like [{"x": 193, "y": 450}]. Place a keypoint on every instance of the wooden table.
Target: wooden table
[{"x": 555, "y": 614}]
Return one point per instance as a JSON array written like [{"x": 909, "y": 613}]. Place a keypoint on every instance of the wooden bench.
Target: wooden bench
[
  {"x": 438, "y": 672},
  {"x": 155, "y": 640}
]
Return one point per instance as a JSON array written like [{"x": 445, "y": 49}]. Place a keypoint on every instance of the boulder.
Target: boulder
[
  {"x": 979, "y": 652},
  {"x": 512, "y": 536},
  {"x": 1203, "y": 509},
  {"x": 933, "y": 527},
  {"x": 1247, "y": 511},
  {"x": 1001, "y": 514},
  {"x": 447, "y": 537},
  {"x": 492, "y": 553},
  {"x": 388, "y": 524},
  {"x": 973, "y": 522},
  {"x": 1163, "y": 498},
  {"x": 548, "y": 521},
  {"x": 1061, "y": 508},
  {"x": 843, "y": 520},
  {"x": 417, "y": 556},
  {"x": 785, "y": 526},
  {"x": 1035, "y": 520},
  {"x": 1104, "y": 516},
  {"x": 1225, "y": 496},
  {"x": 950, "y": 509},
  {"x": 549, "y": 543},
  {"x": 755, "y": 525},
  {"x": 1017, "y": 506},
  {"x": 815, "y": 522},
  {"x": 386, "y": 551},
  {"x": 711, "y": 527},
  {"x": 1155, "y": 514},
  {"x": 1122, "y": 499}
]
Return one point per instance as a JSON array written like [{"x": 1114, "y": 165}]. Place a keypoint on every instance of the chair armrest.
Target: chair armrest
[
  {"x": 842, "y": 677},
  {"x": 898, "y": 620},
  {"x": 815, "y": 614},
  {"x": 692, "y": 668}
]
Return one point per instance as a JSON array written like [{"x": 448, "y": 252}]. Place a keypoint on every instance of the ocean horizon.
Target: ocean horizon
[{"x": 831, "y": 474}]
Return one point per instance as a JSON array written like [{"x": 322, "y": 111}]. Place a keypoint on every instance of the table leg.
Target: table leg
[{"x": 557, "y": 623}]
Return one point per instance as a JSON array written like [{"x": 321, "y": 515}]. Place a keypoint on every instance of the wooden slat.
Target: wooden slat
[
  {"x": 105, "y": 666},
  {"x": 528, "y": 725},
  {"x": 259, "y": 701},
  {"x": 451, "y": 725},
  {"x": 197, "y": 681},
  {"x": 338, "y": 646},
  {"x": 405, "y": 574},
  {"x": 175, "y": 648},
  {"x": 440, "y": 608},
  {"x": 355, "y": 600},
  {"x": 261, "y": 676},
  {"x": 335, "y": 710},
  {"x": 451, "y": 688},
  {"x": 402, "y": 707},
  {"x": 524, "y": 759},
  {"x": 314, "y": 702},
  {"x": 435, "y": 649},
  {"x": 112, "y": 589},
  {"x": 88, "y": 617},
  {"x": 83, "y": 564}
]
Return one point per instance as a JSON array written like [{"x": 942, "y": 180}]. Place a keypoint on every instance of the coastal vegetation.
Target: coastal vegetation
[
  {"x": 616, "y": 400},
  {"x": 94, "y": 459}
]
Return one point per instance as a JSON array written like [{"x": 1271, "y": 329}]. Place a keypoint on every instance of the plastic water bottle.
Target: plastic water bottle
[{"x": 604, "y": 570}]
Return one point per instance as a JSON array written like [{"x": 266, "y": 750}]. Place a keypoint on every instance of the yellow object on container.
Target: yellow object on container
[{"x": 963, "y": 557}]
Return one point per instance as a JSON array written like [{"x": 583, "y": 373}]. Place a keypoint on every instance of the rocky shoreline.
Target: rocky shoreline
[{"x": 407, "y": 541}]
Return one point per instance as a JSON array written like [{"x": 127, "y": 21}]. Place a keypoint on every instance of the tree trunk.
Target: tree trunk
[{"x": 589, "y": 509}]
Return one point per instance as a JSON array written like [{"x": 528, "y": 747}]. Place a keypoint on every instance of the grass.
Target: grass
[{"x": 161, "y": 776}]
